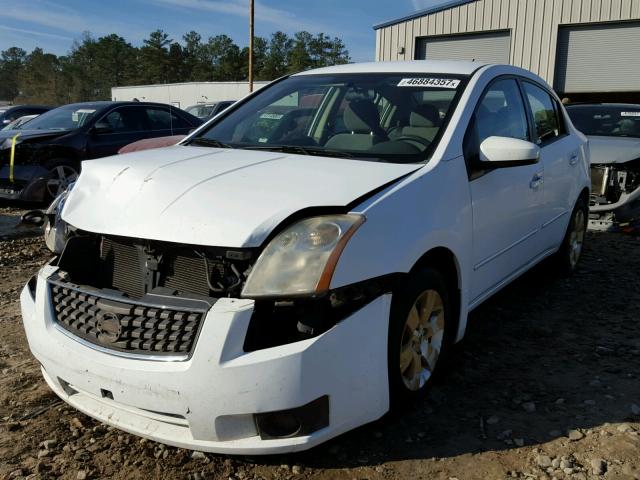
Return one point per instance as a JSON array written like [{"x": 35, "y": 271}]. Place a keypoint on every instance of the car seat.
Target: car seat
[{"x": 362, "y": 121}]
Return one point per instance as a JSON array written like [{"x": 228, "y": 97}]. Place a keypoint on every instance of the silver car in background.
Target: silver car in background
[{"x": 613, "y": 130}]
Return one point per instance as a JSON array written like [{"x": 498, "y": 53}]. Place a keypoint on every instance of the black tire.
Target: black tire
[
  {"x": 59, "y": 167},
  {"x": 417, "y": 285},
  {"x": 566, "y": 259}
]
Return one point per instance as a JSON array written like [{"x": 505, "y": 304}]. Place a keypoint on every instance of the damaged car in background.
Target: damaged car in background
[
  {"x": 41, "y": 158},
  {"x": 613, "y": 131},
  {"x": 301, "y": 264}
]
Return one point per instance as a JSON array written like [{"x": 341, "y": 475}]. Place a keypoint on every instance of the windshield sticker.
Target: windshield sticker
[
  {"x": 272, "y": 116},
  {"x": 630, "y": 114},
  {"x": 430, "y": 82}
]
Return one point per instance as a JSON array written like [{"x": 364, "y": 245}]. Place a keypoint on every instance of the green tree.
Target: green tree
[
  {"x": 11, "y": 63},
  {"x": 196, "y": 59},
  {"x": 226, "y": 58},
  {"x": 300, "y": 55},
  {"x": 41, "y": 79},
  {"x": 276, "y": 62},
  {"x": 154, "y": 58}
]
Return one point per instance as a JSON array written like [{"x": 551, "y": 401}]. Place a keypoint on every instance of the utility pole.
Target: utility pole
[{"x": 251, "y": 14}]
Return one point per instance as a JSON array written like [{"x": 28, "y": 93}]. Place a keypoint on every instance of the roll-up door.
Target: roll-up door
[
  {"x": 491, "y": 47},
  {"x": 598, "y": 58}
]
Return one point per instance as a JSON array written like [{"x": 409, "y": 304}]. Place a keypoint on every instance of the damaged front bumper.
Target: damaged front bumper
[
  {"x": 29, "y": 183},
  {"x": 222, "y": 398},
  {"x": 615, "y": 197}
]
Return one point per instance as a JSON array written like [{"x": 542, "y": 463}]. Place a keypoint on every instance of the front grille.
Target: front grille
[{"x": 127, "y": 326}]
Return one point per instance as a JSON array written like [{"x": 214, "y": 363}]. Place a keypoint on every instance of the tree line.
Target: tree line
[{"x": 94, "y": 65}]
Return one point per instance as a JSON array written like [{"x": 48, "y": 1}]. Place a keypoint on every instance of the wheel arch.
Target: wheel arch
[
  {"x": 584, "y": 195},
  {"x": 56, "y": 152},
  {"x": 446, "y": 262}
]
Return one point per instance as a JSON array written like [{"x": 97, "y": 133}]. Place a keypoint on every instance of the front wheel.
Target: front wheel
[
  {"x": 419, "y": 333},
  {"x": 62, "y": 173},
  {"x": 568, "y": 256}
]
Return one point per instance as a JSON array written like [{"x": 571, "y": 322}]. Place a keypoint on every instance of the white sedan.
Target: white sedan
[{"x": 300, "y": 264}]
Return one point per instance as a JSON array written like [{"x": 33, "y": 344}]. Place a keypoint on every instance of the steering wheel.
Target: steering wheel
[{"x": 413, "y": 138}]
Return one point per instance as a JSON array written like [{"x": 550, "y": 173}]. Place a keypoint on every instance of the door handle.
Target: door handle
[
  {"x": 536, "y": 181},
  {"x": 574, "y": 158}
]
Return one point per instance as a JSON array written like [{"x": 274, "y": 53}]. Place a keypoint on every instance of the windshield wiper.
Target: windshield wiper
[
  {"x": 209, "y": 142},
  {"x": 311, "y": 151}
]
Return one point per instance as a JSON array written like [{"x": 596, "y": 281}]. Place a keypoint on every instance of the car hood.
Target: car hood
[
  {"x": 218, "y": 197},
  {"x": 605, "y": 150},
  {"x": 31, "y": 134}
]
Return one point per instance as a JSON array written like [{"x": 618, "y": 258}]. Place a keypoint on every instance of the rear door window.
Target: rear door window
[{"x": 163, "y": 119}]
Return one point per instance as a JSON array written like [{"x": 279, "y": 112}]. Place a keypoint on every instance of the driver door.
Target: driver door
[{"x": 507, "y": 202}]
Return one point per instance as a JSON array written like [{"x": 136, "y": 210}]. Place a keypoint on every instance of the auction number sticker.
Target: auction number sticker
[{"x": 430, "y": 82}]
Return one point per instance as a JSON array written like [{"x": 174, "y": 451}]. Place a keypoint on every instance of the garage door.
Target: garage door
[
  {"x": 490, "y": 47},
  {"x": 599, "y": 58}
]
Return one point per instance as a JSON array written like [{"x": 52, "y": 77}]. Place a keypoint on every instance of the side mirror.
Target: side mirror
[
  {"x": 508, "y": 152},
  {"x": 101, "y": 127}
]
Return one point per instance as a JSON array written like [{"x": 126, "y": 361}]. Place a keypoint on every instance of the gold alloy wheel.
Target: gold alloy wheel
[
  {"x": 576, "y": 238},
  {"x": 422, "y": 339}
]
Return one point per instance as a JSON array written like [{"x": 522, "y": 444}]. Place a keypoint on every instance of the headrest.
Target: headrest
[
  {"x": 362, "y": 116},
  {"x": 425, "y": 115}
]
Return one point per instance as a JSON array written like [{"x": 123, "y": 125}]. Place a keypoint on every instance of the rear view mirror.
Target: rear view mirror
[
  {"x": 508, "y": 152},
  {"x": 101, "y": 127}
]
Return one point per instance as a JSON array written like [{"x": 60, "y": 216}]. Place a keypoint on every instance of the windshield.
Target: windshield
[
  {"x": 68, "y": 117},
  {"x": 200, "y": 111},
  {"x": 606, "y": 120},
  {"x": 384, "y": 117},
  {"x": 18, "y": 123}
]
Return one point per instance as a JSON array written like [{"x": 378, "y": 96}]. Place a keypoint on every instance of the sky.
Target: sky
[{"x": 53, "y": 25}]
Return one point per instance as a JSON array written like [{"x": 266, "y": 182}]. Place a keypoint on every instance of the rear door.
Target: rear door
[
  {"x": 163, "y": 122},
  {"x": 506, "y": 202},
  {"x": 560, "y": 155},
  {"x": 126, "y": 125}
]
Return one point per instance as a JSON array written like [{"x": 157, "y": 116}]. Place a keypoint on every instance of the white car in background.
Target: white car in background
[
  {"x": 252, "y": 293},
  {"x": 613, "y": 130}
]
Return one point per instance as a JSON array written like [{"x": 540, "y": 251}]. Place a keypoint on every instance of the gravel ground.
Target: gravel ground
[{"x": 545, "y": 385}]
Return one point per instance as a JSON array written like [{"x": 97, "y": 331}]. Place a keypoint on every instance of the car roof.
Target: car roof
[
  {"x": 603, "y": 104},
  {"x": 109, "y": 103},
  {"x": 451, "y": 67},
  {"x": 13, "y": 107}
]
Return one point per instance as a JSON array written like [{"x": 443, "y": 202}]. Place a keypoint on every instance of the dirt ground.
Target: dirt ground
[{"x": 545, "y": 385}]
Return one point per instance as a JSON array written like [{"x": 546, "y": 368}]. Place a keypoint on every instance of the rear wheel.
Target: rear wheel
[
  {"x": 419, "y": 333},
  {"x": 567, "y": 258},
  {"x": 62, "y": 173}
]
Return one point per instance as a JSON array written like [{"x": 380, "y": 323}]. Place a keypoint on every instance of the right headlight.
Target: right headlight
[
  {"x": 56, "y": 230},
  {"x": 301, "y": 259}
]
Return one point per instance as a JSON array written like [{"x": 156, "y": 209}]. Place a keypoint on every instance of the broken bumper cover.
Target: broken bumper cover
[
  {"x": 625, "y": 213},
  {"x": 211, "y": 401},
  {"x": 29, "y": 183}
]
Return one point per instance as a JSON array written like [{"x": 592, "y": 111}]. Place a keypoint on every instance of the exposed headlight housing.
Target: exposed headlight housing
[
  {"x": 301, "y": 259},
  {"x": 56, "y": 230}
]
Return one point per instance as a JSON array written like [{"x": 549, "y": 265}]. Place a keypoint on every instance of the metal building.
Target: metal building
[
  {"x": 183, "y": 95},
  {"x": 584, "y": 48}
]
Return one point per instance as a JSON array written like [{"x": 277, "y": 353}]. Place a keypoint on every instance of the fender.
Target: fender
[{"x": 422, "y": 201}]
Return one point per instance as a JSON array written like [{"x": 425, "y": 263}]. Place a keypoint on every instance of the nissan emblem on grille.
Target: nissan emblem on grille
[
  {"x": 109, "y": 328},
  {"x": 126, "y": 325}
]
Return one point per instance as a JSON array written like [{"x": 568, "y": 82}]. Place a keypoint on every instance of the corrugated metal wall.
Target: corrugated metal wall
[
  {"x": 593, "y": 56},
  {"x": 533, "y": 24}
]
